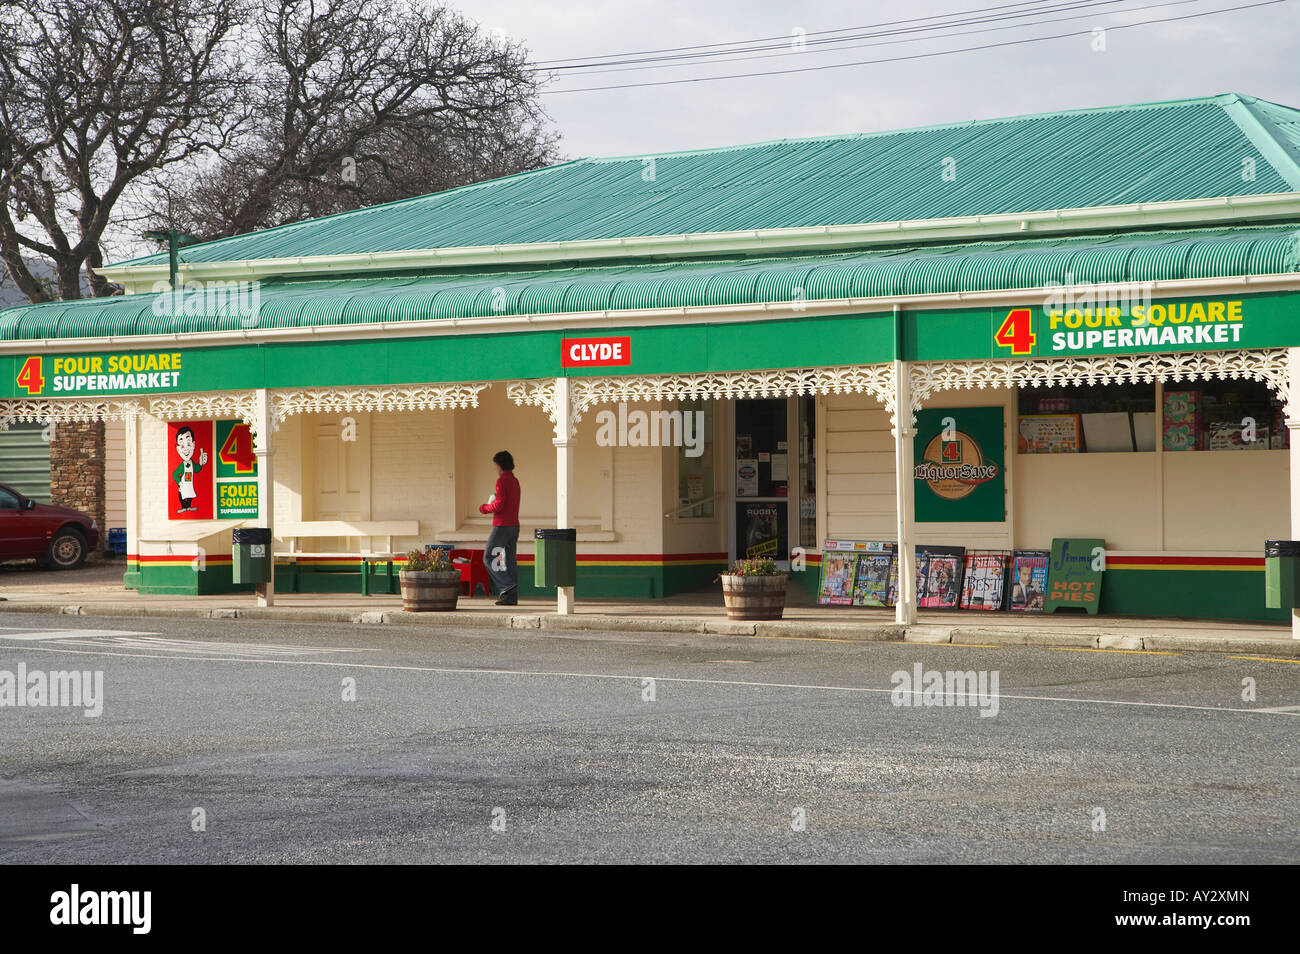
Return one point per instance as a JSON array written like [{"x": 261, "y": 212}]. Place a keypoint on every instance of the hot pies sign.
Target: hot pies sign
[{"x": 595, "y": 352}]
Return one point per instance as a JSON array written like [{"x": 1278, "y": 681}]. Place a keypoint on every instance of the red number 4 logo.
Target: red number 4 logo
[
  {"x": 31, "y": 376},
  {"x": 1017, "y": 331},
  {"x": 238, "y": 450}
]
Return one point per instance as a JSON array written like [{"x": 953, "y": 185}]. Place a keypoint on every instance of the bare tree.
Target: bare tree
[
  {"x": 94, "y": 96},
  {"x": 363, "y": 101}
]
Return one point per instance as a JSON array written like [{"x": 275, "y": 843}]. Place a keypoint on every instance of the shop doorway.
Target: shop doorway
[{"x": 762, "y": 479}]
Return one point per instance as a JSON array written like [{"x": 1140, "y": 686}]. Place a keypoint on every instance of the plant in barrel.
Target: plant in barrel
[
  {"x": 430, "y": 582},
  {"x": 754, "y": 588}
]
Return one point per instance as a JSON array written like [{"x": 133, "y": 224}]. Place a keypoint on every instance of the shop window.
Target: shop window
[
  {"x": 695, "y": 493},
  {"x": 1222, "y": 416},
  {"x": 1114, "y": 418}
]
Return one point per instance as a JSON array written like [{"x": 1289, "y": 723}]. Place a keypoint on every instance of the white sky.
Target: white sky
[{"x": 1251, "y": 51}]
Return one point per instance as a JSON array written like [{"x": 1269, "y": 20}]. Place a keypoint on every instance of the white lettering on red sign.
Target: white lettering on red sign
[{"x": 595, "y": 352}]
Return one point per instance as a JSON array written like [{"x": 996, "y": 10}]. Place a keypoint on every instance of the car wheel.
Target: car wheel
[{"x": 67, "y": 550}]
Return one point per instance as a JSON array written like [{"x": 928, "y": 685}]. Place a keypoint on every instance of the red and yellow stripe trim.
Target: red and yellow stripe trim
[
  {"x": 178, "y": 559},
  {"x": 1202, "y": 564}
]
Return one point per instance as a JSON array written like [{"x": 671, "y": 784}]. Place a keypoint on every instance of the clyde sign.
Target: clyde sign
[{"x": 595, "y": 352}]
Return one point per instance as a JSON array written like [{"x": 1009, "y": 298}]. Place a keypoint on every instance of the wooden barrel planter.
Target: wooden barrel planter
[
  {"x": 754, "y": 597},
  {"x": 433, "y": 591}
]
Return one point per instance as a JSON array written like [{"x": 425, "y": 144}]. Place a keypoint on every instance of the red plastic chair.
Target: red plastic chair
[{"x": 472, "y": 573}]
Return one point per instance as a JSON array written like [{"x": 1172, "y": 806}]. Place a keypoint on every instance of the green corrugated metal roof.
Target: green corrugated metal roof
[
  {"x": 1187, "y": 149},
  {"x": 982, "y": 266}
]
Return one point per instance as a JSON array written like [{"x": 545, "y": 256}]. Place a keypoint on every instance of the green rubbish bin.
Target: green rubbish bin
[
  {"x": 555, "y": 560},
  {"x": 252, "y": 555},
  {"x": 1281, "y": 573}
]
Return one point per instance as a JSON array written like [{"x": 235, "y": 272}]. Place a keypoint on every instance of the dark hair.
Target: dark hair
[
  {"x": 184, "y": 430},
  {"x": 503, "y": 460}
]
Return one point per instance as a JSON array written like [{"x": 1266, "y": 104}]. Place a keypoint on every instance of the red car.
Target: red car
[{"x": 52, "y": 536}]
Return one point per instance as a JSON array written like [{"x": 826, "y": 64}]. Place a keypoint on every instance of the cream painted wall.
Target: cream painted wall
[
  {"x": 1111, "y": 496},
  {"x": 859, "y": 451},
  {"x": 1225, "y": 501},
  {"x": 411, "y": 473},
  {"x": 859, "y": 491},
  {"x": 287, "y": 470},
  {"x": 618, "y": 498}
]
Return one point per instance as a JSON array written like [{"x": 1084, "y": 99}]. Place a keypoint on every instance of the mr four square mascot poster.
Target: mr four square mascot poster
[{"x": 189, "y": 476}]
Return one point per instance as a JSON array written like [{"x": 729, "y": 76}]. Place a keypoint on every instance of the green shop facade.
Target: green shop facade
[{"x": 753, "y": 354}]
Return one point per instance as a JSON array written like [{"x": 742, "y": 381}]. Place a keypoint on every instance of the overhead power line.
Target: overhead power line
[
  {"x": 746, "y": 46},
  {"x": 766, "y": 39},
  {"x": 786, "y": 51},
  {"x": 913, "y": 56}
]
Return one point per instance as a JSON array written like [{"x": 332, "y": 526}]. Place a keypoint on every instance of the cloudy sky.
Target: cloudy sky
[{"x": 1253, "y": 51}]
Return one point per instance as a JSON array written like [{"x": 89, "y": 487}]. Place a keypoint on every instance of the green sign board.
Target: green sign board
[
  {"x": 959, "y": 465},
  {"x": 659, "y": 349},
  {"x": 236, "y": 472},
  {"x": 1065, "y": 327},
  {"x": 1074, "y": 574}
]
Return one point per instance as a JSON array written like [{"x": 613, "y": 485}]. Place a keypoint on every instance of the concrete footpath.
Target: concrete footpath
[{"x": 97, "y": 591}]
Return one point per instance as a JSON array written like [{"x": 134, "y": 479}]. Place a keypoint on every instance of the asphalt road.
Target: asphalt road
[{"x": 526, "y": 746}]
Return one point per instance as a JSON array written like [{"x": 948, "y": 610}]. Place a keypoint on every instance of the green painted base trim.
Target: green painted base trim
[
  {"x": 1203, "y": 594},
  {"x": 808, "y": 579},
  {"x": 602, "y": 582},
  {"x": 186, "y": 581}
]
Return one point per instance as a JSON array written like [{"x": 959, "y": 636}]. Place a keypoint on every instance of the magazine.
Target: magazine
[
  {"x": 836, "y": 586},
  {"x": 876, "y": 582},
  {"x": 985, "y": 584},
  {"x": 938, "y": 576},
  {"x": 1028, "y": 581}
]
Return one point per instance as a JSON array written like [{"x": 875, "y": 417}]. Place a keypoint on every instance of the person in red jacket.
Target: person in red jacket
[{"x": 503, "y": 541}]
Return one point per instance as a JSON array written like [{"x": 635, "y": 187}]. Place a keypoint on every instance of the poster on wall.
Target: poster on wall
[
  {"x": 1028, "y": 581},
  {"x": 236, "y": 472},
  {"x": 985, "y": 583},
  {"x": 747, "y": 477},
  {"x": 1074, "y": 574},
  {"x": 761, "y": 531},
  {"x": 959, "y": 465},
  {"x": 876, "y": 581},
  {"x": 938, "y": 576},
  {"x": 1050, "y": 434},
  {"x": 189, "y": 447}
]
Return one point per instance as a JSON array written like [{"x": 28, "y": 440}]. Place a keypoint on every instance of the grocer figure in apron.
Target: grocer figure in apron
[{"x": 183, "y": 475}]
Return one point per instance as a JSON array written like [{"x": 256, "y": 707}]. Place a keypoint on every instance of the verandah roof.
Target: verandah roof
[{"x": 879, "y": 272}]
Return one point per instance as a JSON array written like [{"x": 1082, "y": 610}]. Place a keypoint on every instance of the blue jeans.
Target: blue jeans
[{"x": 506, "y": 539}]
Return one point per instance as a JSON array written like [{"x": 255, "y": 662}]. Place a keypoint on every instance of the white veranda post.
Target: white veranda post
[
  {"x": 904, "y": 487},
  {"x": 565, "y": 446},
  {"x": 262, "y": 449}
]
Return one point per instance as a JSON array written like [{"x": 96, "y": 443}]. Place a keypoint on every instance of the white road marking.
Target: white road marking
[
  {"x": 37, "y": 634},
  {"x": 638, "y": 677},
  {"x": 123, "y": 639}
]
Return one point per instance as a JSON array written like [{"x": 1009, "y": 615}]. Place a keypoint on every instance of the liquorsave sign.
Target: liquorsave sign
[{"x": 595, "y": 352}]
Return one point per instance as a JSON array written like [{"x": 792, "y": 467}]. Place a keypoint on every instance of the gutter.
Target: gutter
[
  {"x": 1183, "y": 212},
  {"x": 715, "y": 314}
]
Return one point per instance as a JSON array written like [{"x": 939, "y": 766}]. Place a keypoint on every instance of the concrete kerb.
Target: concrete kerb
[{"x": 793, "y": 629}]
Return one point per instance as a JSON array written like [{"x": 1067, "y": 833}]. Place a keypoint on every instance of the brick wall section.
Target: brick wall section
[{"x": 77, "y": 470}]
